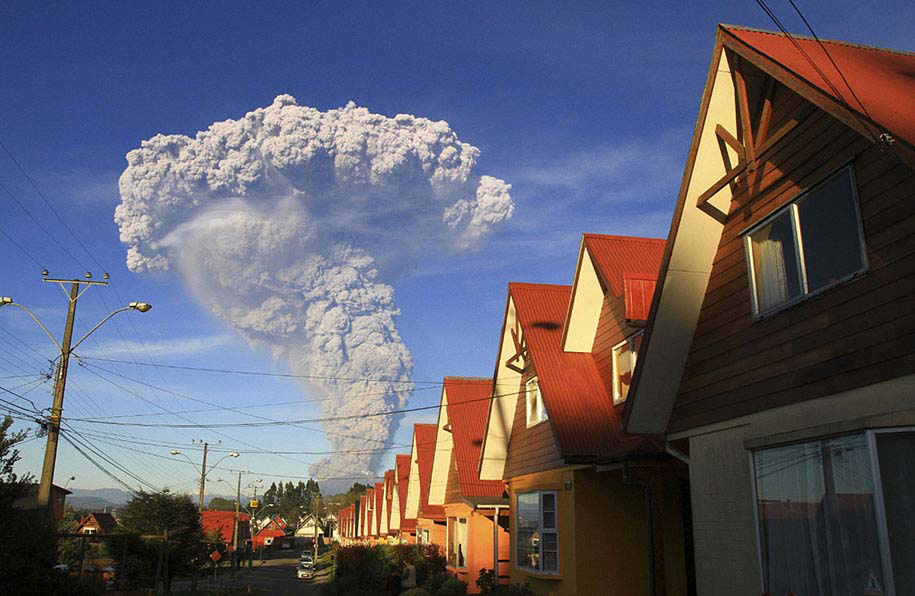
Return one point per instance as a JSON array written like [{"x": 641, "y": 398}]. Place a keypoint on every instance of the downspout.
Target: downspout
[{"x": 646, "y": 488}]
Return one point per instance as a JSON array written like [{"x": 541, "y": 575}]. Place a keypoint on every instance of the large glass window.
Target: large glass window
[
  {"x": 536, "y": 412},
  {"x": 809, "y": 245},
  {"x": 624, "y": 357},
  {"x": 457, "y": 541},
  {"x": 537, "y": 539},
  {"x": 836, "y": 516}
]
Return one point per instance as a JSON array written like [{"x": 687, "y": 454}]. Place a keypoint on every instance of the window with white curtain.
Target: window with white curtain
[
  {"x": 537, "y": 535},
  {"x": 811, "y": 244},
  {"x": 535, "y": 410},
  {"x": 835, "y": 516},
  {"x": 457, "y": 542},
  {"x": 624, "y": 357}
]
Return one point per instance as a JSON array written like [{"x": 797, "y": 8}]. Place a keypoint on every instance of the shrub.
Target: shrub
[
  {"x": 512, "y": 590},
  {"x": 452, "y": 587},
  {"x": 486, "y": 581},
  {"x": 435, "y": 582},
  {"x": 415, "y": 592}
]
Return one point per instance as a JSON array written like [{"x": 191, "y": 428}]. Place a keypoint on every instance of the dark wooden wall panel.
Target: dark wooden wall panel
[
  {"x": 857, "y": 333},
  {"x": 530, "y": 449}
]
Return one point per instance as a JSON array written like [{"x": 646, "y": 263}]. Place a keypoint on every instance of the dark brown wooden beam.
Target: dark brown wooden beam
[
  {"x": 765, "y": 116},
  {"x": 731, "y": 141},
  {"x": 746, "y": 128}
]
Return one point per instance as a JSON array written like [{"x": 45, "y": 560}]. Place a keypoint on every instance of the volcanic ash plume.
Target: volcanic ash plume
[{"x": 290, "y": 224}]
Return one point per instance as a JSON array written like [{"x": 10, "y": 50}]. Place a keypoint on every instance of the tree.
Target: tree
[
  {"x": 147, "y": 518},
  {"x": 220, "y": 504},
  {"x": 27, "y": 540}
]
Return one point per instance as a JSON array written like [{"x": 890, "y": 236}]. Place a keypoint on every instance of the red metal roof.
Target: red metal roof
[
  {"x": 389, "y": 493},
  {"x": 222, "y": 522},
  {"x": 881, "y": 79},
  {"x": 638, "y": 291},
  {"x": 362, "y": 531},
  {"x": 579, "y": 409},
  {"x": 615, "y": 256},
  {"x": 425, "y": 436},
  {"x": 369, "y": 503},
  {"x": 468, "y": 408},
  {"x": 402, "y": 464},
  {"x": 379, "y": 496}
]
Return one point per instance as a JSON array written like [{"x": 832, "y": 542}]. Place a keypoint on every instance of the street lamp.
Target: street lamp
[
  {"x": 203, "y": 469},
  {"x": 60, "y": 382}
]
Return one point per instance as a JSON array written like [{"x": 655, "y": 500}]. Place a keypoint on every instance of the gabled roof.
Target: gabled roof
[
  {"x": 105, "y": 521},
  {"x": 638, "y": 289},
  {"x": 580, "y": 412},
  {"x": 879, "y": 84},
  {"x": 425, "y": 437},
  {"x": 620, "y": 266},
  {"x": 615, "y": 256},
  {"x": 388, "y": 496},
  {"x": 379, "y": 503},
  {"x": 468, "y": 407},
  {"x": 883, "y": 82},
  {"x": 361, "y": 528},
  {"x": 402, "y": 466}
]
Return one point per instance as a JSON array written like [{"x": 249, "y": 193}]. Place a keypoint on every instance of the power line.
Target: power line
[
  {"x": 771, "y": 14},
  {"x": 49, "y": 205},
  {"x": 266, "y": 374},
  {"x": 269, "y": 422},
  {"x": 21, "y": 249},
  {"x": 222, "y": 408},
  {"x": 41, "y": 227}
]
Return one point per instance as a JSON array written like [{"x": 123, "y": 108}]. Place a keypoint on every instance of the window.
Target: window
[
  {"x": 835, "y": 516},
  {"x": 624, "y": 357},
  {"x": 812, "y": 244},
  {"x": 536, "y": 413},
  {"x": 457, "y": 541},
  {"x": 424, "y": 537},
  {"x": 536, "y": 536}
]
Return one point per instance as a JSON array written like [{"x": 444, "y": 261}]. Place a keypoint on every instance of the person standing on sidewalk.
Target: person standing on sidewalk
[
  {"x": 392, "y": 586},
  {"x": 408, "y": 578}
]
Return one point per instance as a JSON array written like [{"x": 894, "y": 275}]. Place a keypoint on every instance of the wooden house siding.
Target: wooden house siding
[
  {"x": 855, "y": 334},
  {"x": 531, "y": 449},
  {"x": 611, "y": 330},
  {"x": 453, "y": 485}
]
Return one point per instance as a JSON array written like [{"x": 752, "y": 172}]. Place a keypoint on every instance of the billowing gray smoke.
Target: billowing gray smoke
[{"x": 290, "y": 224}]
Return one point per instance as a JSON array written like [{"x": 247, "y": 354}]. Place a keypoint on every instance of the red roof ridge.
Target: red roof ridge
[
  {"x": 629, "y": 238},
  {"x": 836, "y": 42},
  {"x": 536, "y": 286}
]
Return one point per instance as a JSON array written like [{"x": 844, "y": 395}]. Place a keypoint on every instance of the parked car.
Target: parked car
[
  {"x": 307, "y": 558},
  {"x": 305, "y": 571}
]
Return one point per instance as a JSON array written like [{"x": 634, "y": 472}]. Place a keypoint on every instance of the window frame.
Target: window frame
[
  {"x": 633, "y": 357},
  {"x": 792, "y": 209},
  {"x": 453, "y": 522},
  {"x": 527, "y": 403},
  {"x": 870, "y": 436},
  {"x": 555, "y": 530}
]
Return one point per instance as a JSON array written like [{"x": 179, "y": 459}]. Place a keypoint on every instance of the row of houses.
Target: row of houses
[{"x": 729, "y": 410}]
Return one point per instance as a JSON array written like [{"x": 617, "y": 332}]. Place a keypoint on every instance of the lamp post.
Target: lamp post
[
  {"x": 203, "y": 470},
  {"x": 60, "y": 382}
]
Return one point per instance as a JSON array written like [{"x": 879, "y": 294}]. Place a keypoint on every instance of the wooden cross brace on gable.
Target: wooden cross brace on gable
[
  {"x": 748, "y": 146},
  {"x": 520, "y": 355}
]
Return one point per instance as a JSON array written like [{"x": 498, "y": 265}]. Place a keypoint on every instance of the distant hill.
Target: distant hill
[{"x": 102, "y": 498}]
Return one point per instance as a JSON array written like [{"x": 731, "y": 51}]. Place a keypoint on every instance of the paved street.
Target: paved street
[{"x": 278, "y": 576}]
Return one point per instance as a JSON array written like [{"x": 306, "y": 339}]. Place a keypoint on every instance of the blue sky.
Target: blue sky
[{"x": 585, "y": 109}]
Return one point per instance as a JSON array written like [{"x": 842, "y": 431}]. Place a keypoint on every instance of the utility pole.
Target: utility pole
[
  {"x": 235, "y": 532},
  {"x": 203, "y": 475},
  {"x": 60, "y": 381}
]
